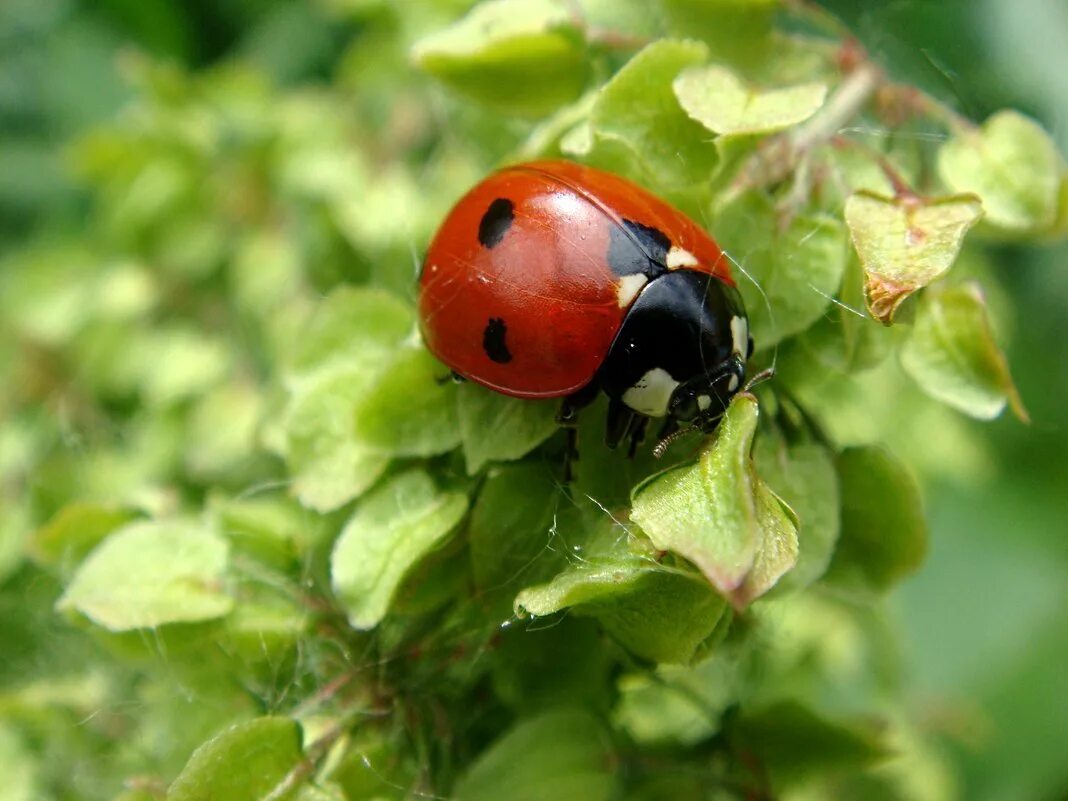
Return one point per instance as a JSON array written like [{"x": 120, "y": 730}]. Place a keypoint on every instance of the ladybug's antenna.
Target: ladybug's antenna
[
  {"x": 764, "y": 375},
  {"x": 661, "y": 447}
]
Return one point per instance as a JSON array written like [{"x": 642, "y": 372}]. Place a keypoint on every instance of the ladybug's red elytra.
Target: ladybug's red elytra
[{"x": 555, "y": 280}]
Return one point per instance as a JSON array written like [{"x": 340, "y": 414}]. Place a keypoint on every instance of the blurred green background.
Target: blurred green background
[{"x": 984, "y": 620}]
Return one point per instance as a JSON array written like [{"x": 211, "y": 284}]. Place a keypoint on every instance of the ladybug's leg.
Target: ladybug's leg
[
  {"x": 571, "y": 454},
  {"x": 619, "y": 422},
  {"x": 636, "y": 433},
  {"x": 453, "y": 376},
  {"x": 567, "y": 414}
]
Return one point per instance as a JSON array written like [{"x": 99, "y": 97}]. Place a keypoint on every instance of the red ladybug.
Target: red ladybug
[{"x": 555, "y": 280}]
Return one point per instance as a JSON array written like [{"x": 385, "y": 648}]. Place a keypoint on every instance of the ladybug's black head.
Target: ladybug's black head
[
  {"x": 702, "y": 400},
  {"x": 681, "y": 350}
]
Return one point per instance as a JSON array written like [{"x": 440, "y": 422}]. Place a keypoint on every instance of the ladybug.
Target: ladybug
[{"x": 555, "y": 280}]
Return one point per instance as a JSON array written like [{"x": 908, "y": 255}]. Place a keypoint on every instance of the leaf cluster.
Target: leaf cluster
[{"x": 231, "y": 466}]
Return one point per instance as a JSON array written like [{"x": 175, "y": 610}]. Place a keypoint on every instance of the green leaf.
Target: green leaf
[
  {"x": 247, "y": 762},
  {"x": 373, "y": 767},
  {"x": 719, "y": 514},
  {"x": 221, "y": 432},
  {"x": 608, "y": 20},
  {"x": 265, "y": 273},
  {"x": 778, "y": 547},
  {"x": 601, "y": 472},
  {"x": 393, "y": 528},
  {"x": 677, "y": 705},
  {"x": 180, "y": 363},
  {"x": 719, "y": 100},
  {"x": 558, "y": 756},
  {"x": 18, "y": 767},
  {"x": 15, "y": 523},
  {"x": 495, "y": 427},
  {"x": 148, "y": 574},
  {"x": 802, "y": 474},
  {"x": 512, "y": 531},
  {"x": 410, "y": 410},
  {"x": 659, "y": 614},
  {"x": 638, "y": 109},
  {"x": 520, "y": 56},
  {"x": 951, "y": 354},
  {"x": 844, "y": 341},
  {"x": 790, "y": 273},
  {"x": 264, "y": 627},
  {"x": 905, "y": 243},
  {"x": 351, "y": 326},
  {"x": 74, "y": 531},
  {"x": 269, "y": 528},
  {"x": 738, "y": 31},
  {"x": 328, "y": 464},
  {"x": 332, "y": 366},
  {"x": 884, "y": 534},
  {"x": 793, "y": 743},
  {"x": 569, "y": 663},
  {"x": 1012, "y": 165}
]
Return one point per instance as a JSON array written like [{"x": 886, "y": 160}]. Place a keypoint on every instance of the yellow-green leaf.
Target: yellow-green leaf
[
  {"x": 638, "y": 109},
  {"x": 1012, "y": 164},
  {"x": 152, "y": 573},
  {"x": 952, "y": 355},
  {"x": 905, "y": 243},
  {"x": 521, "y": 56},
  {"x": 723, "y": 103}
]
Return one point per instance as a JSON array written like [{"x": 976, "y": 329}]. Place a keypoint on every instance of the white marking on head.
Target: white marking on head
[
  {"x": 740, "y": 336},
  {"x": 629, "y": 287},
  {"x": 732, "y": 385},
  {"x": 704, "y": 402},
  {"x": 680, "y": 257},
  {"x": 651, "y": 394}
]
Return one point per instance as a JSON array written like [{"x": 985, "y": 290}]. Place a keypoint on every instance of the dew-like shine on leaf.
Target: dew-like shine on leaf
[{"x": 905, "y": 243}]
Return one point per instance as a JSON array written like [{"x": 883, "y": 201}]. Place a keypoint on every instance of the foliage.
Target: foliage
[{"x": 261, "y": 550}]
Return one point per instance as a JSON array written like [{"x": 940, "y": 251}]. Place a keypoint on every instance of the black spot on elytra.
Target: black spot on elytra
[
  {"x": 496, "y": 222},
  {"x": 636, "y": 248},
  {"x": 493, "y": 341}
]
